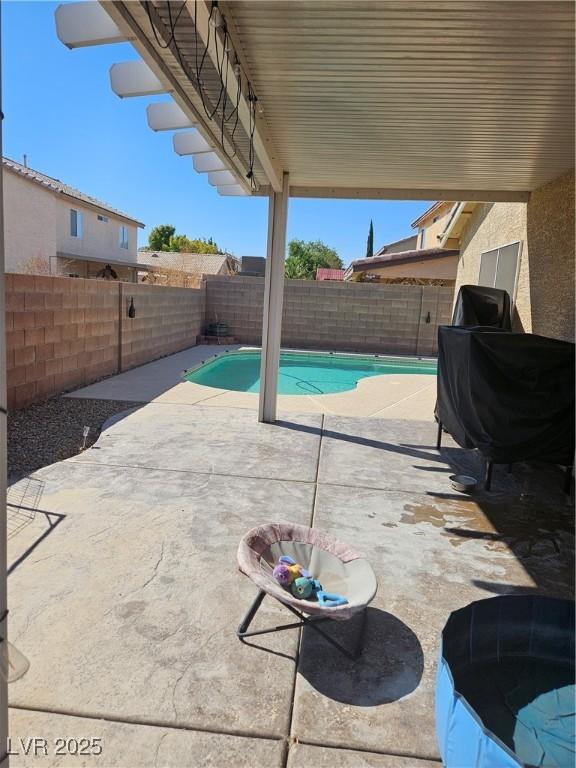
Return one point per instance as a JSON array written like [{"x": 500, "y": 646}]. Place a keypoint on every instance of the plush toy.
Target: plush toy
[
  {"x": 329, "y": 600},
  {"x": 290, "y": 575},
  {"x": 302, "y": 587},
  {"x": 282, "y": 574}
]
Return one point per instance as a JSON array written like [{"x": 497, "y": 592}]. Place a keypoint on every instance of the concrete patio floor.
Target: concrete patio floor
[
  {"x": 125, "y": 595},
  {"x": 396, "y": 396}
]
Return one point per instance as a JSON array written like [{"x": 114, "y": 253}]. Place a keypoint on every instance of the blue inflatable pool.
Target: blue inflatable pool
[{"x": 505, "y": 686}]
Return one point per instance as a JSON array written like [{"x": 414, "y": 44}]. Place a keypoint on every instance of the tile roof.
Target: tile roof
[
  {"x": 323, "y": 273},
  {"x": 196, "y": 263},
  {"x": 402, "y": 257},
  {"x": 55, "y": 185}
]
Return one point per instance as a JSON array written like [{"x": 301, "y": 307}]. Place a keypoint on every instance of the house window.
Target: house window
[
  {"x": 422, "y": 236},
  {"x": 102, "y": 218},
  {"x": 76, "y": 221},
  {"x": 498, "y": 268},
  {"x": 123, "y": 237}
]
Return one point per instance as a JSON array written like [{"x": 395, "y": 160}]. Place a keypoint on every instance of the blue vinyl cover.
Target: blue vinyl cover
[
  {"x": 462, "y": 739},
  {"x": 505, "y": 684}
]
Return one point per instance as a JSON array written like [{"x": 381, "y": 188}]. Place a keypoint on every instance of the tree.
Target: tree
[
  {"x": 201, "y": 246},
  {"x": 179, "y": 243},
  {"x": 305, "y": 258},
  {"x": 370, "y": 243},
  {"x": 164, "y": 238},
  {"x": 159, "y": 237}
]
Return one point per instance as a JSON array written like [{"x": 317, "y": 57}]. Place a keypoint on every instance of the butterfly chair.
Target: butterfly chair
[{"x": 338, "y": 567}]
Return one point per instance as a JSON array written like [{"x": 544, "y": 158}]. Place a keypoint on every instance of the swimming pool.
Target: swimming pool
[{"x": 302, "y": 373}]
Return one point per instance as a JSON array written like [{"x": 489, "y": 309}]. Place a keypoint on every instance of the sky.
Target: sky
[{"x": 60, "y": 111}]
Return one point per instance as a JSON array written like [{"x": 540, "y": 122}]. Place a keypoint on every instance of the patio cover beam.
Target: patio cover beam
[
  {"x": 263, "y": 146},
  {"x": 409, "y": 193},
  {"x": 128, "y": 17},
  {"x": 84, "y": 24},
  {"x": 273, "y": 300},
  {"x": 3, "y": 473}
]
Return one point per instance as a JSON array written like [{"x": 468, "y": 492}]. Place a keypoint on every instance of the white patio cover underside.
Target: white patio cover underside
[{"x": 398, "y": 99}]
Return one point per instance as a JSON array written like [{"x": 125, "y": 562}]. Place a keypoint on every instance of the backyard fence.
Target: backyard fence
[
  {"x": 63, "y": 333},
  {"x": 354, "y": 317}
]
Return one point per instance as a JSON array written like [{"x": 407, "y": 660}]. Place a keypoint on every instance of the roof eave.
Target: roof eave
[
  {"x": 457, "y": 221},
  {"x": 10, "y": 166},
  {"x": 363, "y": 265},
  {"x": 428, "y": 212}
]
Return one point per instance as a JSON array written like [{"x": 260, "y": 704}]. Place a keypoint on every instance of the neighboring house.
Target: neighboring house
[
  {"x": 323, "y": 273},
  {"x": 414, "y": 260},
  {"x": 431, "y": 266},
  {"x": 406, "y": 244},
  {"x": 177, "y": 268},
  {"x": 525, "y": 248},
  {"x": 431, "y": 224},
  {"x": 52, "y": 228}
]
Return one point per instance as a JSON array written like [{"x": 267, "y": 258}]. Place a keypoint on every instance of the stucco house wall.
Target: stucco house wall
[
  {"x": 544, "y": 297},
  {"x": 29, "y": 223},
  {"x": 551, "y": 245},
  {"x": 100, "y": 239},
  {"x": 398, "y": 246},
  {"x": 433, "y": 228},
  {"x": 38, "y": 232},
  {"x": 492, "y": 225}
]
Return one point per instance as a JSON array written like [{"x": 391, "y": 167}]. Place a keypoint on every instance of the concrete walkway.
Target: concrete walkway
[
  {"x": 395, "y": 396},
  {"x": 125, "y": 596}
]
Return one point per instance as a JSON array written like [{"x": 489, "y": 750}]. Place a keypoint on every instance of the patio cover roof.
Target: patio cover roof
[
  {"x": 455, "y": 100},
  {"x": 380, "y": 99}
]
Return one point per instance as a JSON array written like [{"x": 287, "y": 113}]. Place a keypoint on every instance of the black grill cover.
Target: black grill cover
[
  {"x": 510, "y": 395},
  {"x": 478, "y": 305}
]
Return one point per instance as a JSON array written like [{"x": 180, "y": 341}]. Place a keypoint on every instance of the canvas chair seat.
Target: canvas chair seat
[{"x": 338, "y": 567}]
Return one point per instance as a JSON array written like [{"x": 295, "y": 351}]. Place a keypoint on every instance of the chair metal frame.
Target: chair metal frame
[{"x": 305, "y": 621}]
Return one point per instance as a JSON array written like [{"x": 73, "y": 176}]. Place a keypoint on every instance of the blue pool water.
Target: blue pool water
[{"x": 302, "y": 373}]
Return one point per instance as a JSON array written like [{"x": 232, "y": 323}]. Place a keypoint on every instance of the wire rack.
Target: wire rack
[{"x": 22, "y": 502}]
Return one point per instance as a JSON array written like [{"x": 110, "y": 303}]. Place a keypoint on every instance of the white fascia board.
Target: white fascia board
[
  {"x": 190, "y": 143},
  {"x": 167, "y": 116},
  {"x": 234, "y": 190},
  {"x": 207, "y": 162},
  {"x": 222, "y": 178},
  {"x": 82, "y": 24},
  {"x": 134, "y": 78}
]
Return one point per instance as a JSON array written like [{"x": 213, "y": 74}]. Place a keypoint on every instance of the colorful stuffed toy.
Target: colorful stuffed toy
[
  {"x": 291, "y": 575},
  {"x": 288, "y": 570}
]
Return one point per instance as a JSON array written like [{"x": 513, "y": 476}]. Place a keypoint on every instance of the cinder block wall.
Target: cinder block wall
[
  {"x": 167, "y": 320},
  {"x": 66, "y": 332},
  {"x": 62, "y": 332},
  {"x": 356, "y": 317}
]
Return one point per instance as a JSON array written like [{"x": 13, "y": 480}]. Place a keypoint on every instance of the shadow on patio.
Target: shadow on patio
[{"x": 146, "y": 559}]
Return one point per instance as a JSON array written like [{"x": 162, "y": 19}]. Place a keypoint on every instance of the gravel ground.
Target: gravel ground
[{"x": 52, "y": 430}]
